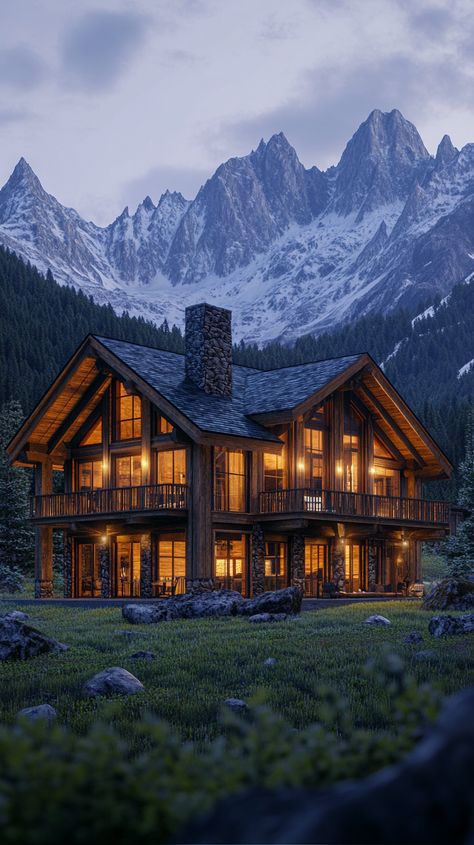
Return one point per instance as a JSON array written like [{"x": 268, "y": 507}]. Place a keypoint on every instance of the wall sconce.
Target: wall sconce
[
  {"x": 144, "y": 463},
  {"x": 372, "y": 470},
  {"x": 105, "y": 466},
  {"x": 301, "y": 466},
  {"x": 338, "y": 469},
  {"x": 405, "y": 543},
  {"x": 103, "y": 539}
]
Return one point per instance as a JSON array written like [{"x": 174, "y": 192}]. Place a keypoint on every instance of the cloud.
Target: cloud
[
  {"x": 11, "y": 116},
  {"x": 158, "y": 179},
  {"x": 21, "y": 68},
  {"x": 98, "y": 48}
]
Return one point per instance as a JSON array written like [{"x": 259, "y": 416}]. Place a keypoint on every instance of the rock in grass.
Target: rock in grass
[
  {"x": 376, "y": 619},
  {"x": 451, "y": 594},
  {"x": 142, "y": 655},
  {"x": 40, "y": 712},
  {"x": 413, "y": 637},
  {"x": 236, "y": 704},
  {"x": 20, "y": 642},
  {"x": 270, "y": 661},
  {"x": 447, "y": 626},
  {"x": 267, "y": 617},
  {"x": 16, "y": 616},
  {"x": 427, "y": 656},
  {"x": 286, "y": 601},
  {"x": 113, "y": 681}
]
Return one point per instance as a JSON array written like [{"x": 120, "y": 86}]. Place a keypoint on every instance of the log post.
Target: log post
[{"x": 43, "y": 536}]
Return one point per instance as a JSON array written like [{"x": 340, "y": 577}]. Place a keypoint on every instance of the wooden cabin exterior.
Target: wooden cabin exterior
[{"x": 186, "y": 471}]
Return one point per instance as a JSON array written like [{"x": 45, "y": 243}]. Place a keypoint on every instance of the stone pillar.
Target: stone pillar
[
  {"x": 67, "y": 566},
  {"x": 372, "y": 565},
  {"x": 208, "y": 348},
  {"x": 146, "y": 576},
  {"x": 258, "y": 560},
  {"x": 297, "y": 561},
  {"x": 104, "y": 566},
  {"x": 338, "y": 565}
]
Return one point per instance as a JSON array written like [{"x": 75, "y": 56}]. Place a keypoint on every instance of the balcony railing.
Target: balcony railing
[
  {"x": 153, "y": 497},
  {"x": 355, "y": 504}
]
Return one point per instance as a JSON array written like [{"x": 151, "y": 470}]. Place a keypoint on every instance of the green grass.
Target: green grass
[{"x": 199, "y": 663}]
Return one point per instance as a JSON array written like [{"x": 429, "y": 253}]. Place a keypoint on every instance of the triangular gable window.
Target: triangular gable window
[
  {"x": 381, "y": 451},
  {"x": 94, "y": 435}
]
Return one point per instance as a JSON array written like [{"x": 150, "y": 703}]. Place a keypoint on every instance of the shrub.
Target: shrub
[{"x": 11, "y": 579}]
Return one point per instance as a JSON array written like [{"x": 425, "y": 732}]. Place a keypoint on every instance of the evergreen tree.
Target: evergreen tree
[
  {"x": 16, "y": 534},
  {"x": 460, "y": 548}
]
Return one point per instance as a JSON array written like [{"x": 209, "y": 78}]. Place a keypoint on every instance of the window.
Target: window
[
  {"x": 162, "y": 425},
  {"x": 353, "y": 567},
  {"x": 386, "y": 481},
  {"x": 315, "y": 558},
  {"x": 230, "y": 561},
  {"x": 128, "y": 471},
  {"x": 230, "y": 480},
  {"x": 381, "y": 451},
  {"x": 171, "y": 570},
  {"x": 128, "y": 415},
  {"x": 88, "y": 582},
  {"x": 89, "y": 475},
  {"x": 275, "y": 565},
  {"x": 94, "y": 435},
  {"x": 352, "y": 441},
  {"x": 274, "y": 472},
  {"x": 314, "y": 451},
  {"x": 171, "y": 466},
  {"x": 127, "y": 567}
]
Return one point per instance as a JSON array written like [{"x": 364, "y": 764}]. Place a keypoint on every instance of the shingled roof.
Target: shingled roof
[{"x": 254, "y": 391}]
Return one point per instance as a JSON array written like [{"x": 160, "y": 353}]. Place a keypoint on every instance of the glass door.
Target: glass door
[
  {"x": 127, "y": 567},
  {"x": 88, "y": 580},
  {"x": 315, "y": 568},
  {"x": 230, "y": 561},
  {"x": 354, "y": 567},
  {"x": 276, "y": 568}
]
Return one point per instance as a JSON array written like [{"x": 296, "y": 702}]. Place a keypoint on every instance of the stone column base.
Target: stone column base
[
  {"x": 43, "y": 588},
  {"x": 297, "y": 561},
  {"x": 338, "y": 573},
  {"x": 104, "y": 564},
  {"x": 258, "y": 560},
  {"x": 146, "y": 585},
  {"x": 67, "y": 568}
]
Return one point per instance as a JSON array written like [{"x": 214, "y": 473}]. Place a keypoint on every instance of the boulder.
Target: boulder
[
  {"x": 16, "y": 616},
  {"x": 113, "y": 681},
  {"x": 376, "y": 619},
  {"x": 142, "y": 655},
  {"x": 426, "y": 798},
  {"x": 39, "y": 712},
  {"x": 20, "y": 642},
  {"x": 413, "y": 637},
  {"x": 236, "y": 704},
  {"x": 188, "y": 606},
  {"x": 447, "y": 626},
  {"x": 280, "y": 601},
  {"x": 451, "y": 594},
  {"x": 267, "y": 617}
]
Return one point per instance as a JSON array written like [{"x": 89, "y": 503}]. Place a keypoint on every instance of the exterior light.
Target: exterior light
[
  {"x": 144, "y": 463},
  {"x": 103, "y": 539},
  {"x": 405, "y": 542},
  {"x": 339, "y": 469},
  {"x": 301, "y": 466},
  {"x": 372, "y": 470}
]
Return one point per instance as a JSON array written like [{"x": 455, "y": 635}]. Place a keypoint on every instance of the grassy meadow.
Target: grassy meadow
[{"x": 199, "y": 663}]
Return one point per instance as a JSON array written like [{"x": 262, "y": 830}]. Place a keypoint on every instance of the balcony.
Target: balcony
[
  {"x": 359, "y": 505},
  {"x": 115, "y": 500}
]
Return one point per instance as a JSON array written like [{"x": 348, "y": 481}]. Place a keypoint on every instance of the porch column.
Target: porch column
[
  {"x": 199, "y": 536},
  {"x": 104, "y": 566},
  {"x": 67, "y": 565},
  {"x": 258, "y": 559},
  {"x": 371, "y": 565},
  {"x": 146, "y": 588},
  {"x": 297, "y": 561},
  {"x": 338, "y": 564},
  {"x": 43, "y": 536}
]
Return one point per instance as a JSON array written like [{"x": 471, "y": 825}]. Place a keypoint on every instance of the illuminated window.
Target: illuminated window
[
  {"x": 274, "y": 471},
  {"x": 315, "y": 560},
  {"x": 352, "y": 441},
  {"x": 171, "y": 466},
  {"x": 129, "y": 415},
  {"x": 88, "y": 583},
  {"x": 353, "y": 558},
  {"x": 163, "y": 426},
  {"x": 94, "y": 435},
  {"x": 128, "y": 471},
  {"x": 89, "y": 475},
  {"x": 314, "y": 450},
  {"x": 171, "y": 565},
  {"x": 275, "y": 565},
  {"x": 386, "y": 481},
  {"x": 380, "y": 451},
  {"x": 230, "y": 480},
  {"x": 230, "y": 561},
  {"x": 127, "y": 567}
]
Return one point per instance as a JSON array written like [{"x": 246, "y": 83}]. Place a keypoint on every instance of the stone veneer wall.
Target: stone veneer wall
[
  {"x": 297, "y": 561},
  {"x": 372, "y": 565},
  {"x": 43, "y": 588},
  {"x": 258, "y": 560},
  {"x": 146, "y": 578},
  {"x": 338, "y": 565},
  {"x": 208, "y": 355},
  {"x": 104, "y": 564},
  {"x": 67, "y": 567}
]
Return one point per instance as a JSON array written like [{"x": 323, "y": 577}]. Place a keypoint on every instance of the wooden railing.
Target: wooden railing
[
  {"x": 153, "y": 497},
  {"x": 355, "y": 504}
]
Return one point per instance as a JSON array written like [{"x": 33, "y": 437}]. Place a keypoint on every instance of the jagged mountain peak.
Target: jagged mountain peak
[
  {"x": 23, "y": 177},
  {"x": 445, "y": 152}
]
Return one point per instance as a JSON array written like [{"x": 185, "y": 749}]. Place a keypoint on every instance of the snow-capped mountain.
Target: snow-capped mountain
[{"x": 292, "y": 250}]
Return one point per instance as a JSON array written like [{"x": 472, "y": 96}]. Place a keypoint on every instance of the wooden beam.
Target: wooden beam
[
  {"x": 393, "y": 425},
  {"x": 80, "y": 405}
]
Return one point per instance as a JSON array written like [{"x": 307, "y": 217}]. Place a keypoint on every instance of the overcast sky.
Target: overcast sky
[{"x": 110, "y": 101}]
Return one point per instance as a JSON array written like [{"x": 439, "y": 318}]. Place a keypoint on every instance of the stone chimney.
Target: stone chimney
[{"x": 208, "y": 355}]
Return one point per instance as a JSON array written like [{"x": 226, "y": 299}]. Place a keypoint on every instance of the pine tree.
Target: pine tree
[
  {"x": 460, "y": 548},
  {"x": 16, "y": 534}
]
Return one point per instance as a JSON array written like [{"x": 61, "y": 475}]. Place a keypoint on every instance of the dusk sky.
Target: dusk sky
[{"x": 110, "y": 101}]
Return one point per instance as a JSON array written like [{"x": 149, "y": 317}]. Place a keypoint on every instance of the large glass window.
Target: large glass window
[
  {"x": 94, "y": 435},
  {"x": 162, "y": 426},
  {"x": 127, "y": 567},
  {"x": 314, "y": 437},
  {"x": 89, "y": 475},
  {"x": 230, "y": 480},
  {"x": 230, "y": 561},
  {"x": 315, "y": 567},
  {"x": 354, "y": 556},
  {"x": 170, "y": 577},
  {"x": 386, "y": 481},
  {"x": 275, "y": 565},
  {"x": 128, "y": 415},
  {"x": 128, "y": 471},
  {"x": 171, "y": 466},
  {"x": 274, "y": 472},
  {"x": 352, "y": 444}
]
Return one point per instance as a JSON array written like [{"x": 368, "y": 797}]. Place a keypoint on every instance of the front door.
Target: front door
[
  {"x": 315, "y": 568},
  {"x": 354, "y": 567},
  {"x": 127, "y": 567},
  {"x": 88, "y": 583}
]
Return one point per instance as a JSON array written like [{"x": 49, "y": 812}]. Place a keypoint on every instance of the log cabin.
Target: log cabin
[{"x": 183, "y": 472}]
